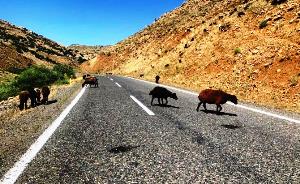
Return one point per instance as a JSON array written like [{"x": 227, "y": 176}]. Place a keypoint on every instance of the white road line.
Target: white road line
[
  {"x": 111, "y": 79},
  {"x": 239, "y": 106},
  {"x": 118, "y": 84},
  {"x": 142, "y": 105},
  {"x": 266, "y": 113},
  {"x": 12, "y": 175}
]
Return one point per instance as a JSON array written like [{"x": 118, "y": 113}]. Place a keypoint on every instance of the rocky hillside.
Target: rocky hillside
[
  {"x": 20, "y": 48},
  {"x": 250, "y": 48},
  {"x": 87, "y": 52},
  {"x": 11, "y": 60}
]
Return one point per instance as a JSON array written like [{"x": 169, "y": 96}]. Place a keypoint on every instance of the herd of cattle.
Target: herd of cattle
[
  {"x": 35, "y": 97},
  {"x": 207, "y": 96}
]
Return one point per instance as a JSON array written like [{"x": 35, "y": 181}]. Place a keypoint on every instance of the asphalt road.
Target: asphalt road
[{"x": 108, "y": 138}]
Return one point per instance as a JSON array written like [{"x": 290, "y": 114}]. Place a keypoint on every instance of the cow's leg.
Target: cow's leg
[
  {"x": 219, "y": 108},
  {"x": 166, "y": 101},
  {"x": 152, "y": 100},
  {"x": 199, "y": 104},
  {"x": 159, "y": 101},
  {"x": 32, "y": 101},
  {"x": 46, "y": 99},
  {"x": 204, "y": 105},
  {"x": 21, "y": 106},
  {"x": 26, "y": 104}
]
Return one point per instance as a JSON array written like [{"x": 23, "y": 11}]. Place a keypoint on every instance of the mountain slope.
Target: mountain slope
[
  {"x": 22, "y": 43},
  {"x": 87, "y": 52},
  {"x": 10, "y": 59},
  {"x": 245, "y": 47}
]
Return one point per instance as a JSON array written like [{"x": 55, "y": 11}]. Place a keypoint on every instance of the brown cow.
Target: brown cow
[
  {"x": 32, "y": 94},
  {"x": 45, "y": 92},
  {"x": 23, "y": 97},
  {"x": 162, "y": 93},
  {"x": 90, "y": 81},
  {"x": 217, "y": 97},
  {"x": 38, "y": 95},
  {"x": 85, "y": 76}
]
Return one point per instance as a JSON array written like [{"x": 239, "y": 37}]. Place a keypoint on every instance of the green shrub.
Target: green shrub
[
  {"x": 64, "y": 71},
  {"x": 35, "y": 77},
  {"x": 62, "y": 81},
  {"x": 7, "y": 90},
  {"x": 263, "y": 24},
  {"x": 81, "y": 60},
  {"x": 237, "y": 50},
  {"x": 15, "y": 70},
  {"x": 294, "y": 81}
]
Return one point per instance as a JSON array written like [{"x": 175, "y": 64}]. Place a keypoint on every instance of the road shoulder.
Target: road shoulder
[{"x": 19, "y": 129}]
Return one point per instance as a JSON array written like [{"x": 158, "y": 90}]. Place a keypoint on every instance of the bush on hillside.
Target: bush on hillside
[
  {"x": 277, "y": 2},
  {"x": 15, "y": 70},
  {"x": 7, "y": 90},
  {"x": 237, "y": 50},
  {"x": 294, "y": 81},
  {"x": 35, "y": 77},
  {"x": 224, "y": 27},
  {"x": 81, "y": 60},
  {"x": 263, "y": 24},
  {"x": 64, "y": 71}
]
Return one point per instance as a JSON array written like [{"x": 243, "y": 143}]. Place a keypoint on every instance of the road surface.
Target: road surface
[{"x": 110, "y": 137}]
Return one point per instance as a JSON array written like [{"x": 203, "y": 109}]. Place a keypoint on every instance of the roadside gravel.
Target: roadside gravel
[{"x": 19, "y": 129}]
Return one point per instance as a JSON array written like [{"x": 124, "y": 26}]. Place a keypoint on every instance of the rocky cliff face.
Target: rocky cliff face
[{"x": 245, "y": 47}]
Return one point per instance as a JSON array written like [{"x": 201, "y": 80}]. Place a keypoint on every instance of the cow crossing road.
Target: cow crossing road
[{"x": 110, "y": 137}]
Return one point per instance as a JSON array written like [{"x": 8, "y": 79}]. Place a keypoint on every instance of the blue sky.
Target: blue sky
[{"x": 90, "y": 22}]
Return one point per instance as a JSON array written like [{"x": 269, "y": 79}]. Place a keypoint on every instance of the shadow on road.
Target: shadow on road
[
  {"x": 231, "y": 126},
  {"x": 218, "y": 113},
  {"x": 51, "y": 102},
  {"x": 48, "y": 103},
  {"x": 168, "y": 106},
  {"x": 122, "y": 149}
]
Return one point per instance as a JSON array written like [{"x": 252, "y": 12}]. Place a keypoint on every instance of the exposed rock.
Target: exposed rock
[
  {"x": 267, "y": 64},
  {"x": 255, "y": 51}
]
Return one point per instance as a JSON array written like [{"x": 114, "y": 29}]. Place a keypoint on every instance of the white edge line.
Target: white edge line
[
  {"x": 118, "y": 84},
  {"x": 266, "y": 113},
  {"x": 240, "y": 106},
  {"x": 111, "y": 79},
  {"x": 142, "y": 105},
  {"x": 12, "y": 175}
]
